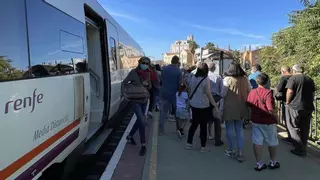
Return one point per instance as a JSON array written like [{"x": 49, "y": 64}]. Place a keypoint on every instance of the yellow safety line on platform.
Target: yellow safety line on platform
[{"x": 154, "y": 148}]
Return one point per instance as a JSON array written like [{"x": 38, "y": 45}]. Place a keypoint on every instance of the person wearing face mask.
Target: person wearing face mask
[{"x": 145, "y": 78}]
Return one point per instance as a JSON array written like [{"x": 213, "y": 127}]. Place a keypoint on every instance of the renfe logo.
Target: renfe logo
[{"x": 18, "y": 104}]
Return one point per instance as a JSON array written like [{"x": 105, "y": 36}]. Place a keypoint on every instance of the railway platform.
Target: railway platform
[{"x": 167, "y": 159}]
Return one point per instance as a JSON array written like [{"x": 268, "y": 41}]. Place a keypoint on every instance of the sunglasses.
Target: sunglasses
[{"x": 145, "y": 63}]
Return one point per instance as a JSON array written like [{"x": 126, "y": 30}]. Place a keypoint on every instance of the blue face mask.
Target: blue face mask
[{"x": 143, "y": 66}]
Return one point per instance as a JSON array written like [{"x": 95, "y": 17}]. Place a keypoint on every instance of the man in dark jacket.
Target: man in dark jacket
[
  {"x": 281, "y": 96},
  {"x": 299, "y": 101}
]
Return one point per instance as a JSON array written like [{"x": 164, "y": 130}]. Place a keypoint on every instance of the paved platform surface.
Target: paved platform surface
[
  {"x": 175, "y": 163},
  {"x": 168, "y": 160},
  {"x": 131, "y": 165}
]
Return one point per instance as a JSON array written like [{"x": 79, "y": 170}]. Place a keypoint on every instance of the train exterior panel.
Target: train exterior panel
[{"x": 61, "y": 68}]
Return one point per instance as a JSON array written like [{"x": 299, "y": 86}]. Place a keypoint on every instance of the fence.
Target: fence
[{"x": 315, "y": 122}]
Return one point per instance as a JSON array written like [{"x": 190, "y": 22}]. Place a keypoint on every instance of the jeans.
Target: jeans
[
  {"x": 164, "y": 109},
  {"x": 152, "y": 99},
  {"x": 231, "y": 127},
  {"x": 139, "y": 109},
  {"x": 199, "y": 116}
]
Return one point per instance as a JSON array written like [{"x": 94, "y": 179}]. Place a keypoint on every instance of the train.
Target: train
[{"x": 62, "y": 63}]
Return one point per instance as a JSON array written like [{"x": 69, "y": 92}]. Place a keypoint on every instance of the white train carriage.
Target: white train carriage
[{"x": 60, "y": 77}]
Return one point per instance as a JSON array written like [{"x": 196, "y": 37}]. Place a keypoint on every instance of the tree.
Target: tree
[
  {"x": 308, "y": 2},
  {"x": 298, "y": 43},
  {"x": 236, "y": 56},
  {"x": 210, "y": 46},
  {"x": 193, "y": 46},
  {"x": 7, "y": 72}
]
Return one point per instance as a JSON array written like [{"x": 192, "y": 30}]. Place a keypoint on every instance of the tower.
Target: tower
[{"x": 190, "y": 37}]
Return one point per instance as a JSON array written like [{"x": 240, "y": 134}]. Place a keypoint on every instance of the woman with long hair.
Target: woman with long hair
[
  {"x": 200, "y": 100},
  {"x": 236, "y": 88}
]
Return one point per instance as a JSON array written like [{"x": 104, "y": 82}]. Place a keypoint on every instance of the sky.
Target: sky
[{"x": 156, "y": 24}]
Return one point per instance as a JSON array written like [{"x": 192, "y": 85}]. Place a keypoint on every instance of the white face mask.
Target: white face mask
[{"x": 252, "y": 71}]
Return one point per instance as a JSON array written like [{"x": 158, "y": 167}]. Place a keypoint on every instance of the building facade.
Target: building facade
[
  {"x": 185, "y": 57},
  {"x": 250, "y": 57},
  {"x": 180, "y": 45}
]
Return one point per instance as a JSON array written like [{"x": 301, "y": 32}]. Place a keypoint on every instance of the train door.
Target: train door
[
  {"x": 114, "y": 64},
  {"x": 96, "y": 76}
]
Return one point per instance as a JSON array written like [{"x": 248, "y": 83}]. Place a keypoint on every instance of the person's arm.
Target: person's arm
[
  {"x": 249, "y": 85},
  {"x": 129, "y": 77},
  {"x": 281, "y": 86},
  {"x": 225, "y": 87},
  {"x": 219, "y": 85},
  {"x": 209, "y": 95},
  {"x": 270, "y": 102},
  {"x": 290, "y": 90}
]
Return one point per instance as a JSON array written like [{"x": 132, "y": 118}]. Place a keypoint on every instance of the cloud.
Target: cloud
[
  {"x": 227, "y": 31},
  {"x": 124, "y": 15}
]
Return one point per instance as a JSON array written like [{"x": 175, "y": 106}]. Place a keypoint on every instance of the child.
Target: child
[
  {"x": 182, "y": 109},
  {"x": 264, "y": 122}
]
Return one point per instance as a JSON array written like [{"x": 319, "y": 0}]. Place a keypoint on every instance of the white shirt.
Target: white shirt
[{"x": 182, "y": 99}]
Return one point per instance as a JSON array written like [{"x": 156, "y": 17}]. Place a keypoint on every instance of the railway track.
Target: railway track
[{"x": 92, "y": 166}]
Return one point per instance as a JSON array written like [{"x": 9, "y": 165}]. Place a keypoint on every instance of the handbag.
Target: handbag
[
  {"x": 274, "y": 112},
  {"x": 216, "y": 112},
  {"x": 136, "y": 91}
]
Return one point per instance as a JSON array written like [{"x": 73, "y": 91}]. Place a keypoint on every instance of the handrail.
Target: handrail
[
  {"x": 97, "y": 78},
  {"x": 314, "y": 134}
]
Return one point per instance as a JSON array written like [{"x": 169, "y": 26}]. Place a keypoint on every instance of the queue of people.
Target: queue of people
[{"x": 207, "y": 99}]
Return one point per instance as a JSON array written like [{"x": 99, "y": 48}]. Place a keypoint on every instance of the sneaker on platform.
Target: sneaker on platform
[
  {"x": 188, "y": 146},
  {"x": 230, "y": 153},
  {"x": 205, "y": 149}
]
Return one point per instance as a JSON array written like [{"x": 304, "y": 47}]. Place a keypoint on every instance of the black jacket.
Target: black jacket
[{"x": 281, "y": 88}]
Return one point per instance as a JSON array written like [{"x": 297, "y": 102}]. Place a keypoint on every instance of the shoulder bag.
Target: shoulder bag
[{"x": 136, "y": 91}]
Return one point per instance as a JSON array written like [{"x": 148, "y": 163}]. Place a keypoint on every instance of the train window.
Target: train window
[
  {"x": 13, "y": 40},
  {"x": 113, "y": 54},
  {"x": 71, "y": 42},
  {"x": 55, "y": 41}
]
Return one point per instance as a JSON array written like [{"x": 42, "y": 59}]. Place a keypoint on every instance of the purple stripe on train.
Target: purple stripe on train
[{"x": 33, "y": 170}]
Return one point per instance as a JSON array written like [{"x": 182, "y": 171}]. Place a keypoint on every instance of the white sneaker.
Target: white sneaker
[
  {"x": 172, "y": 118},
  {"x": 205, "y": 149},
  {"x": 150, "y": 113},
  {"x": 188, "y": 146}
]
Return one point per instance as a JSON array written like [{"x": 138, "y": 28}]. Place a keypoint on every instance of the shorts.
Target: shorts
[
  {"x": 182, "y": 113},
  {"x": 264, "y": 133}
]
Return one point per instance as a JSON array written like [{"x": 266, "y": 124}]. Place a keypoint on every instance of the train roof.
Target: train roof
[{"x": 98, "y": 8}]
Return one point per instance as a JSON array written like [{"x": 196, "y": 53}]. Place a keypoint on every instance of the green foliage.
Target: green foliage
[
  {"x": 308, "y": 2},
  {"x": 7, "y": 72},
  {"x": 210, "y": 46},
  {"x": 297, "y": 44},
  {"x": 193, "y": 46},
  {"x": 236, "y": 56}
]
